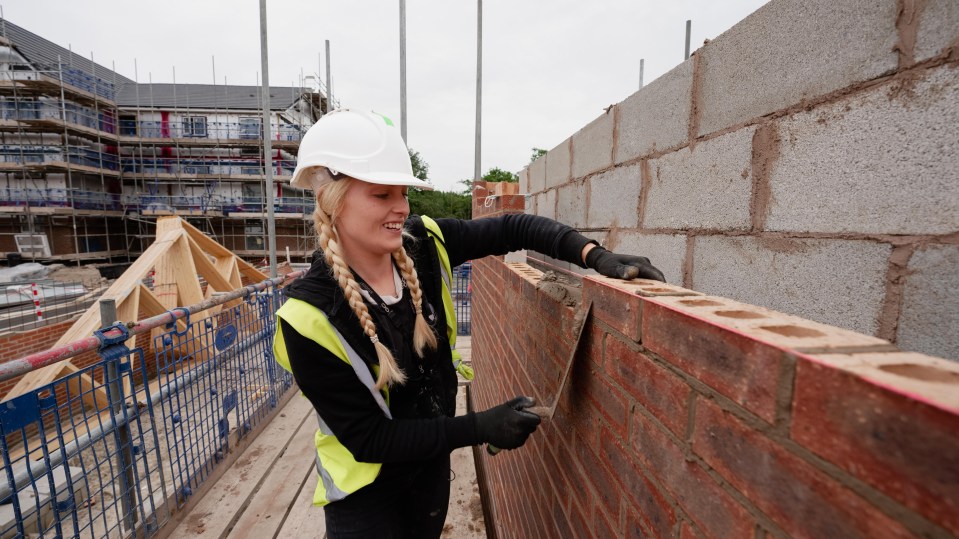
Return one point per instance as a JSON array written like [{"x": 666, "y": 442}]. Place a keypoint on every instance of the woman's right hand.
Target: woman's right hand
[{"x": 508, "y": 425}]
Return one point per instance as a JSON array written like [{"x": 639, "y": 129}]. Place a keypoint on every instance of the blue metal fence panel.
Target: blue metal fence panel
[
  {"x": 119, "y": 467},
  {"x": 462, "y": 297}
]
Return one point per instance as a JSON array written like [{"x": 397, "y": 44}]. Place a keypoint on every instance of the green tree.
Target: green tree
[
  {"x": 497, "y": 174},
  {"x": 436, "y": 203},
  {"x": 537, "y": 153},
  {"x": 421, "y": 169}
]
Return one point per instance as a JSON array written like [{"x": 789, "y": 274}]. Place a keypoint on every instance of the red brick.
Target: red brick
[
  {"x": 704, "y": 501},
  {"x": 636, "y": 528},
  {"x": 686, "y": 531},
  {"x": 647, "y": 501},
  {"x": 603, "y": 527},
  {"x": 599, "y": 477},
  {"x": 661, "y": 392},
  {"x": 803, "y": 500},
  {"x": 579, "y": 520},
  {"x": 906, "y": 448},
  {"x": 737, "y": 366},
  {"x": 609, "y": 401},
  {"x": 560, "y": 521},
  {"x": 616, "y": 308}
]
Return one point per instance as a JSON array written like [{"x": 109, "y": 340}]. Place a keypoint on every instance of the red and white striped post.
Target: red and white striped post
[{"x": 36, "y": 302}]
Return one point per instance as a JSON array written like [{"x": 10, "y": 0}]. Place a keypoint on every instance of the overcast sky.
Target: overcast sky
[{"x": 549, "y": 66}]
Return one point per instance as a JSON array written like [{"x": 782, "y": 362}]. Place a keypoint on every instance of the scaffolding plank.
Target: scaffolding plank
[
  {"x": 305, "y": 519},
  {"x": 222, "y": 506},
  {"x": 278, "y": 493}
]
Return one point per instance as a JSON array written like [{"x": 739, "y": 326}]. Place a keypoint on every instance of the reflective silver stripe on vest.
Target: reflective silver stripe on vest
[
  {"x": 446, "y": 279},
  {"x": 333, "y": 493},
  {"x": 363, "y": 373}
]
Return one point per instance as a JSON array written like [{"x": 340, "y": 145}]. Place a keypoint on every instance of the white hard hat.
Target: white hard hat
[{"x": 358, "y": 144}]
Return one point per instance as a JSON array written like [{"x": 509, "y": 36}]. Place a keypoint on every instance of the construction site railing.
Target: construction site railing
[
  {"x": 199, "y": 127},
  {"x": 211, "y": 166},
  {"x": 61, "y": 198},
  {"x": 113, "y": 448}
]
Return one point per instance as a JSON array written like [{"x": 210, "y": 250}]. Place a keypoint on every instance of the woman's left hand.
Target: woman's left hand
[{"x": 619, "y": 266}]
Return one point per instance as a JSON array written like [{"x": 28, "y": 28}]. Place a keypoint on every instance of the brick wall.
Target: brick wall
[
  {"x": 17, "y": 345},
  {"x": 806, "y": 160},
  {"x": 689, "y": 416}
]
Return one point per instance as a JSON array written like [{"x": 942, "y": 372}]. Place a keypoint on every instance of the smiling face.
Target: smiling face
[{"x": 370, "y": 222}]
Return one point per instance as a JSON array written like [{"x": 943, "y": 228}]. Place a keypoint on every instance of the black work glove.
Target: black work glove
[
  {"x": 507, "y": 426},
  {"x": 621, "y": 266}
]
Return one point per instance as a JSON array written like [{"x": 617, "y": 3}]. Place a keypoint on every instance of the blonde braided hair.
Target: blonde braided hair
[
  {"x": 330, "y": 198},
  {"x": 423, "y": 336}
]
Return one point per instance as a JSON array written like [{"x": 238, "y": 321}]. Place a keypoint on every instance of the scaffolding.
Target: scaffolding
[{"x": 90, "y": 159}]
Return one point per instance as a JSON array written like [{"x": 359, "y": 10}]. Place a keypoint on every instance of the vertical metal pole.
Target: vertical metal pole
[
  {"x": 479, "y": 89},
  {"x": 641, "y": 62},
  {"x": 689, "y": 28},
  {"x": 108, "y": 315},
  {"x": 329, "y": 81},
  {"x": 267, "y": 142},
  {"x": 403, "y": 69}
]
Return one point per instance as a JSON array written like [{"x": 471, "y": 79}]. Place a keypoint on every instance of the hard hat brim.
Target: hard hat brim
[{"x": 302, "y": 179}]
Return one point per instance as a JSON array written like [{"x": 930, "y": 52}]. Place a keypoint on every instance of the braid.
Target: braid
[
  {"x": 423, "y": 336},
  {"x": 389, "y": 373}
]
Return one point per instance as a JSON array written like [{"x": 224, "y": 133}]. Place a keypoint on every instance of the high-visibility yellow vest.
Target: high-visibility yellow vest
[
  {"x": 434, "y": 231},
  {"x": 339, "y": 472}
]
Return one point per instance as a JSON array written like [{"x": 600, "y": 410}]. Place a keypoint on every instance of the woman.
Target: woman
[{"x": 366, "y": 331}]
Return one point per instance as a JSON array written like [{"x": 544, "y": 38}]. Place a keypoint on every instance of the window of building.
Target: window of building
[
  {"x": 253, "y": 230},
  {"x": 128, "y": 126},
  {"x": 194, "y": 126},
  {"x": 250, "y": 127}
]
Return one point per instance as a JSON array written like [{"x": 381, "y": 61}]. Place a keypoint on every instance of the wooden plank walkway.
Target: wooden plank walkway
[{"x": 268, "y": 491}]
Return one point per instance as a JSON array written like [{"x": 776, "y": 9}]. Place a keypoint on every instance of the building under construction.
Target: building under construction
[{"x": 90, "y": 158}]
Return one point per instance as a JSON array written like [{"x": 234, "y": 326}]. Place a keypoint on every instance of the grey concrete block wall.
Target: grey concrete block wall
[
  {"x": 706, "y": 187},
  {"x": 557, "y": 165},
  {"x": 655, "y": 118},
  {"x": 837, "y": 282},
  {"x": 937, "y": 28},
  {"x": 882, "y": 162},
  {"x": 546, "y": 204},
  {"x": 592, "y": 146},
  {"x": 788, "y": 51},
  {"x": 523, "y": 180},
  {"x": 537, "y": 175},
  {"x": 614, "y": 198},
  {"x": 815, "y": 149},
  {"x": 571, "y": 205},
  {"x": 929, "y": 316},
  {"x": 665, "y": 251}
]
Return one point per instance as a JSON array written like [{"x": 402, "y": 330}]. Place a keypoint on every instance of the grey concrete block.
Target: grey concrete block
[
  {"x": 614, "y": 198},
  {"x": 788, "y": 51},
  {"x": 523, "y": 177},
  {"x": 537, "y": 175},
  {"x": 571, "y": 205},
  {"x": 546, "y": 204},
  {"x": 929, "y": 319},
  {"x": 665, "y": 251},
  {"x": 557, "y": 165},
  {"x": 938, "y": 28},
  {"x": 708, "y": 187},
  {"x": 655, "y": 118},
  {"x": 592, "y": 146},
  {"x": 837, "y": 282},
  {"x": 884, "y": 162}
]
